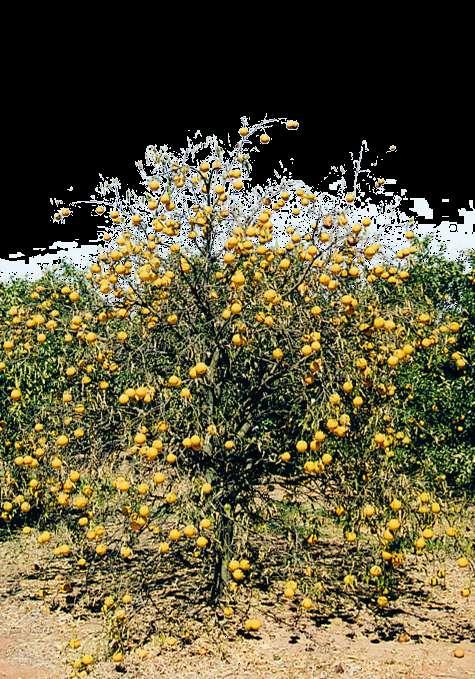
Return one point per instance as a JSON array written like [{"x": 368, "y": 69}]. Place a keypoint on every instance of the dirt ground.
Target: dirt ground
[{"x": 34, "y": 642}]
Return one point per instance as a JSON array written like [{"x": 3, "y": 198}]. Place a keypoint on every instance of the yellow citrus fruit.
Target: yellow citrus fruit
[
  {"x": 252, "y": 624},
  {"x": 395, "y": 505},
  {"x": 393, "y": 525},
  {"x": 201, "y": 369}
]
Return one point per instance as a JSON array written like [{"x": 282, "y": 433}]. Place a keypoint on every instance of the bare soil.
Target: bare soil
[{"x": 418, "y": 641}]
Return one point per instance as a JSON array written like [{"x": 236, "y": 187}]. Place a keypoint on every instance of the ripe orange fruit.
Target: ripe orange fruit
[
  {"x": 122, "y": 484},
  {"x": 252, "y": 624},
  {"x": 201, "y": 369},
  {"x": 126, "y": 552},
  {"x": 394, "y": 525},
  {"x": 238, "y": 574},
  {"x": 420, "y": 543}
]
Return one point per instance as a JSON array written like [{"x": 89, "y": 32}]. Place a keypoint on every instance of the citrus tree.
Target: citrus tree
[{"x": 225, "y": 388}]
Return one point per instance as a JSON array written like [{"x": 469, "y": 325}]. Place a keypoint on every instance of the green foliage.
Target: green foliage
[{"x": 441, "y": 398}]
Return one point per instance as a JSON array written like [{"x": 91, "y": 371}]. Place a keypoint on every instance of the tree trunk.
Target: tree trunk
[{"x": 224, "y": 531}]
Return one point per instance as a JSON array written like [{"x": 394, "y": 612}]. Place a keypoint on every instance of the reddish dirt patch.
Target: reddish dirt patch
[{"x": 16, "y": 670}]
